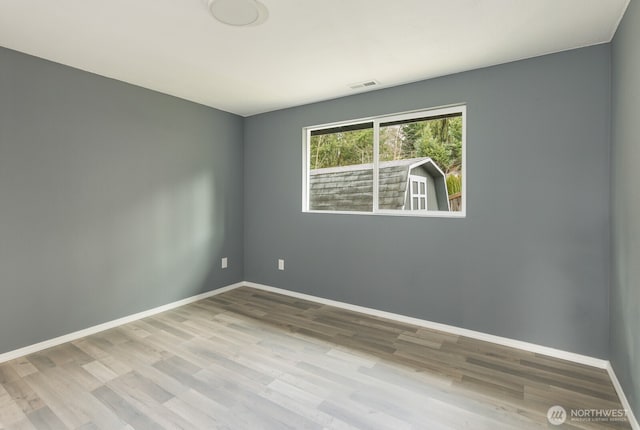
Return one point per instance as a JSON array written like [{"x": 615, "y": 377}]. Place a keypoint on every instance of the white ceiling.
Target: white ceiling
[{"x": 306, "y": 51}]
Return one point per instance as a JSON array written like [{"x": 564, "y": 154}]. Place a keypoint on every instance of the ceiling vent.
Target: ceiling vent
[{"x": 366, "y": 84}]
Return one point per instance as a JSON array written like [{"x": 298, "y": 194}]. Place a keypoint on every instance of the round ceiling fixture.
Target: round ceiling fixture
[{"x": 238, "y": 12}]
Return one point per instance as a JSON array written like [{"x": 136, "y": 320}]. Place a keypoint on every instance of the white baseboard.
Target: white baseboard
[
  {"x": 532, "y": 347},
  {"x": 570, "y": 356},
  {"x": 623, "y": 398},
  {"x": 11, "y": 355},
  {"x": 540, "y": 349},
  {"x": 526, "y": 346}
]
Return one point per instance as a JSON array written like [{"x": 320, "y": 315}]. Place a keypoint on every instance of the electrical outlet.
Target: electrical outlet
[
  {"x": 225, "y": 263},
  {"x": 281, "y": 264}
]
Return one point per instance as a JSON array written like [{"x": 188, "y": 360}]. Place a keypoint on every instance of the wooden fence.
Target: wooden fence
[{"x": 455, "y": 202}]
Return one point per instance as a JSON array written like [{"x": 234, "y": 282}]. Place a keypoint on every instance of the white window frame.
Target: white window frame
[
  {"x": 420, "y": 180},
  {"x": 377, "y": 120}
]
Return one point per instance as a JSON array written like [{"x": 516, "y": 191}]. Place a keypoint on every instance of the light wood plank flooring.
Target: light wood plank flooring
[{"x": 249, "y": 359}]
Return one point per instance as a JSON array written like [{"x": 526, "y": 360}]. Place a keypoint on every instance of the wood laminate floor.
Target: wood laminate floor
[{"x": 250, "y": 359}]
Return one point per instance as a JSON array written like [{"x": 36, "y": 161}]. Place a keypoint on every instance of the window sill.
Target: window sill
[{"x": 415, "y": 214}]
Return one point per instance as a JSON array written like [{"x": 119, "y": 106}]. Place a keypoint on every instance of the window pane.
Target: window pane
[
  {"x": 428, "y": 148},
  {"x": 341, "y": 169},
  {"x": 419, "y": 167}
]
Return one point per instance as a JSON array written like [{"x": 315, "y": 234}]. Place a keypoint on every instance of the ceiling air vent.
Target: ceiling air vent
[{"x": 365, "y": 84}]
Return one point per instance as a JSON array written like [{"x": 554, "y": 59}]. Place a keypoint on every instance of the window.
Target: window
[
  {"x": 402, "y": 164},
  {"x": 418, "y": 187}
]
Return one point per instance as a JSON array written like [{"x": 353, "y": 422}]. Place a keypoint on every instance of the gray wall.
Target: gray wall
[
  {"x": 625, "y": 235},
  {"x": 113, "y": 199},
  {"x": 530, "y": 260}
]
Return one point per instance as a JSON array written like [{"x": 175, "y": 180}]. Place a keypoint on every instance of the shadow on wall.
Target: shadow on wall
[
  {"x": 113, "y": 199},
  {"x": 172, "y": 237}
]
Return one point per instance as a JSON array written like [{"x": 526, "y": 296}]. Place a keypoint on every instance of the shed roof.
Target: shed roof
[{"x": 350, "y": 188}]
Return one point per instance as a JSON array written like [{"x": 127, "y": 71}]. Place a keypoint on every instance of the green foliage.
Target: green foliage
[
  {"x": 439, "y": 139},
  {"x": 413, "y": 133},
  {"x": 342, "y": 149},
  {"x": 454, "y": 184},
  {"x": 435, "y": 150}
]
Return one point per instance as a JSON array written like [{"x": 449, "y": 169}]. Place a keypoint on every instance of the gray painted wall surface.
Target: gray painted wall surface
[
  {"x": 625, "y": 236},
  {"x": 113, "y": 199},
  {"x": 530, "y": 260}
]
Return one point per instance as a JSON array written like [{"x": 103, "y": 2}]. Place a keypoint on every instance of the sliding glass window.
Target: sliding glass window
[{"x": 402, "y": 164}]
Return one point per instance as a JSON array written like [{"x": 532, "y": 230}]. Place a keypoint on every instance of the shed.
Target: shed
[{"x": 412, "y": 184}]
